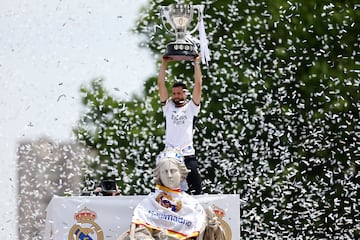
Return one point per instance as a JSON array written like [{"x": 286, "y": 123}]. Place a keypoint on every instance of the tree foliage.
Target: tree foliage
[{"x": 279, "y": 121}]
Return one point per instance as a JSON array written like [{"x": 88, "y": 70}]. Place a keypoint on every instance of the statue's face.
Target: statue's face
[{"x": 170, "y": 175}]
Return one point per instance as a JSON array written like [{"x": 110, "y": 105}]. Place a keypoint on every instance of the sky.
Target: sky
[{"x": 48, "y": 50}]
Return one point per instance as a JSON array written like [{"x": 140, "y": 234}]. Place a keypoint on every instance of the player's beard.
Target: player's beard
[{"x": 179, "y": 102}]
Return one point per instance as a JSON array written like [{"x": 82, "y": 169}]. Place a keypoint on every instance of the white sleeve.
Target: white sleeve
[
  {"x": 165, "y": 107},
  {"x": 195, "y": 109}
]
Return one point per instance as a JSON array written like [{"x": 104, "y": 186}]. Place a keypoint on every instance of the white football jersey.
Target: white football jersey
[{"x": 180, "y": 126}]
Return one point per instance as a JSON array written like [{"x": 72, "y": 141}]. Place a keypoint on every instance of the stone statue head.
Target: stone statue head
[{"x": 170, "y": 168}]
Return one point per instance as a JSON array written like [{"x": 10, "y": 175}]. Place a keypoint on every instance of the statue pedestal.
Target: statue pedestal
[{"x": 111, "y": 216}]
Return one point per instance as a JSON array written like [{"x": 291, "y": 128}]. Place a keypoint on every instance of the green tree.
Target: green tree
[
  {"x": 279, "y": 119},
  {"x": 124, "y": 135}
]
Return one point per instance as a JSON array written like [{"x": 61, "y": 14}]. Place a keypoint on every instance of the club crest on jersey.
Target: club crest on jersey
[{"x": 85, "y": 228}]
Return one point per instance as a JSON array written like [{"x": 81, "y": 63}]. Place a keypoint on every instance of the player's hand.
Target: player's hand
[{"x": 197, "y": 59}]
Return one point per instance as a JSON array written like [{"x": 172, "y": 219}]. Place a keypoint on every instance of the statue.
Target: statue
[{"x": 169, "y": 213}]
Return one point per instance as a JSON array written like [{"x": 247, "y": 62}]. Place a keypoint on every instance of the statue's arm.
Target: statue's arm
[{"x": 213, "y": 229}]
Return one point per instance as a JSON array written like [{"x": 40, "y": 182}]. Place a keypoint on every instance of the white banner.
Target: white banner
[{"x": 100, "y": 218}]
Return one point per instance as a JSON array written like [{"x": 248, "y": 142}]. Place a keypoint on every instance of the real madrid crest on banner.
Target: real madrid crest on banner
[
  {"x": 85, "y": 228},
  {"x": 167, "y": 201}
]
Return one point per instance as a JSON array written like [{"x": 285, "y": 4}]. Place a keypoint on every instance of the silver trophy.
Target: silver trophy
[{"x": 179, "y": 17}]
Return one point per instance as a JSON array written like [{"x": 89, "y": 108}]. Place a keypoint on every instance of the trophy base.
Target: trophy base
[{"x": 180, "y": 51}]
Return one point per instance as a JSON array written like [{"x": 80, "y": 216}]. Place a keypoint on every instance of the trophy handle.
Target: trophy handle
[
  {"x": 162, "y": 14},
  {"x": 200, "y": 9}
]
